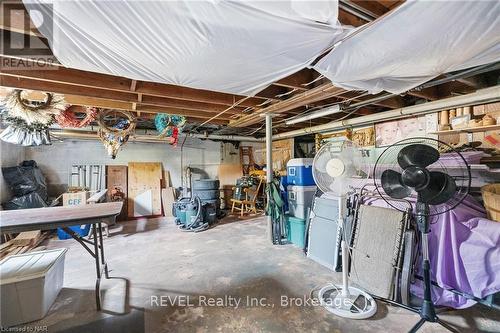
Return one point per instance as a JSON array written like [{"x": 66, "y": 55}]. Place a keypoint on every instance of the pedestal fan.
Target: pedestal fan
[
  {"x": 411, "y": 169},
  {"x": 338, "y": 169}
]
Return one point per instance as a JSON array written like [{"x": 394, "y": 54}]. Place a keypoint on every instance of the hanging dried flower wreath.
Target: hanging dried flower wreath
[
  {"x": 169, "y": 126},
  {"x": 116, "y": 126},
  {"x": 67, "y": 118},
  {"x": 29, "y": 119},
  {"x": 34, "y": 111}
]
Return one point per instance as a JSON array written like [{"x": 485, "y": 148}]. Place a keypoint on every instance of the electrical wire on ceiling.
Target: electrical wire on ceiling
[
  {"x": 267, "y": 101},
  {"x": 315, "y": 80},
  {"x": 236, "y": 103},
  {"x": 287, "y": 93},
  {"x": 255, "y": 131}
]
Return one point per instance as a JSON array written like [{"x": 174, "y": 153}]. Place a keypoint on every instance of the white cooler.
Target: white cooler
[
  {"x": 300, "y": 199},
  {"x": 29, "y": 284}
]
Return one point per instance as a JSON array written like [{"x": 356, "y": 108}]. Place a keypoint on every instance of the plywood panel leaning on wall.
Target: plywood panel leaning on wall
[
  {"x": 229, "y": 173},
  {"x": 116, "y": 183},
  {"x": 144, "y": 188},
  {"x": 168, "y": 198},
  {"x": 282, "y": 153}
]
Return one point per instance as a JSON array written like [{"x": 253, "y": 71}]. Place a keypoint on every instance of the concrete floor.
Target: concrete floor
[{"x": 152, "y": 258}]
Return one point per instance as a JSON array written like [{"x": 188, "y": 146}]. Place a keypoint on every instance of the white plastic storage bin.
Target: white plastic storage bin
[
  {"x": 29, "y": 284},
  {"x": 299, "y": 172},
  {"x": 300, "y": 199}
]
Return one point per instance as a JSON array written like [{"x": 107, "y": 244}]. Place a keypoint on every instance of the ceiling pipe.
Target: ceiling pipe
[
  {"x": 92, "y": 135},
  {"x": 483, "y": 96}
]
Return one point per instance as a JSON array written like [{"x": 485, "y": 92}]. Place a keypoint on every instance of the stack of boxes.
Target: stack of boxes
[{"x": 301, "y": 190}]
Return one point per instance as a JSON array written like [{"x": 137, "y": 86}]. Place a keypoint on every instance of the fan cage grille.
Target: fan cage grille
[
  {"x": 357, "y": 168},
  {"x": 451, "y": 162}
]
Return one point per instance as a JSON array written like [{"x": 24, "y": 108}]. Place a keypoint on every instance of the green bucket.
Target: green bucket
[{"x": 296, "y": 230}]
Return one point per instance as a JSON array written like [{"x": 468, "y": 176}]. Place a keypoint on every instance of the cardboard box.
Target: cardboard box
[{"x": 76, "y": 198}]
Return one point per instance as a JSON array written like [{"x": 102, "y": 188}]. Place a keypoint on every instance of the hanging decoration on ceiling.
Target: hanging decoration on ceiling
[
  {"x": 115, "y": 128},
  {"x": 169, "y": 126},
  {"x": 68, "y": 118},
  {"x": 29, "y": 118}
]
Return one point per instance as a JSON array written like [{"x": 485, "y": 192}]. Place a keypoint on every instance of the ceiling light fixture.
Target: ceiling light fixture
[{"x": 313, "y": 115}]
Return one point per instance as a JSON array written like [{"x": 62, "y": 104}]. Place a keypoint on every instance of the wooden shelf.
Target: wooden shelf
[
  {"x": 469, "y": 130},
  {"x": 473, "y": 167}
]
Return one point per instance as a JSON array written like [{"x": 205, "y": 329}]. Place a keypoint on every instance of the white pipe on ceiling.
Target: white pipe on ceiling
[
  {"x": 92, "y": 135},
  {"x": 483, "y": 96}
]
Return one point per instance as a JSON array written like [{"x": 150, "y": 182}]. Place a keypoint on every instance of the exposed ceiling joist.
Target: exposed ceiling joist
[
  {"x": 373, "y": 8},
  {"x": 314, "y": 95},
  {"x": 59, "y": 74},
  {"x": 298, "y": 80},
  {"x": 120, "y": 96},
  {"x": 181, "y": 112}
]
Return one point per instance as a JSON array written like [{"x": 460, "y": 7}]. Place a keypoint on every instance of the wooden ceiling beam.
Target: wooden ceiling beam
[
  {"x": 180, "y": 112},
  {"x": 117, "y": 96},
  {"x": 273, "y": 90},
  {"x": 474, "y": 82},
  {"x": 297, "y": 80},
  {"x": 191, "y": 120},
  {"x": 196, "y": 95},
  {"x": 316, "y": 94},
  {"x": 97, "y": 102},
  {"x": 373, "y": 7},
  {"x": 108, "y": 104},
  {"x": 192, "y": 116},
  {"x": 430, "y": 94},
  {"x": 62, "y": 88},
  {"x": 187, "y": 105},
  {"x": 349, "y": 19},
  {"x": 58, "y": 74},
  {"x": 394, "y": 102}
]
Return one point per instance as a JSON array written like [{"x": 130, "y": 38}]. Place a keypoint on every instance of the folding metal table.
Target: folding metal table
[{"x": 13, "y": 221}]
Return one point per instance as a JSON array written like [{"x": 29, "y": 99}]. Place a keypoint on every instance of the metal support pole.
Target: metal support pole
[{"x": 269, "y": 166}]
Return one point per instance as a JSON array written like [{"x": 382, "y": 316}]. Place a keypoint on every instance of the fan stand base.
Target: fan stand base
[
  {"x": 335, "y": 300},
  {"x": 421, "y": 312}
]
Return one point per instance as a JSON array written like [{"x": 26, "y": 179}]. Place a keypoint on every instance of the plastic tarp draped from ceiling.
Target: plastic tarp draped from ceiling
[
  {"x": 228, "y": 46},
  {"x": 416, "y": 42}
]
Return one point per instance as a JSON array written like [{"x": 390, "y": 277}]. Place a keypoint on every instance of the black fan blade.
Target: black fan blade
[
  {"x": 393, "y": 186},
  {"x": 418, "y": 155},
  {"x": 441, "y": 188}
]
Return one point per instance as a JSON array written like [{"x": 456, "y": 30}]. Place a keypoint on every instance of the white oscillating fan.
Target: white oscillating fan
[{"x": 338, "y": 169}]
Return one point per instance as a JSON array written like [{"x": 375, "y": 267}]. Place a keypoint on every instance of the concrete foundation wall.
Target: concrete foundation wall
[
  {"x": 10, "y": 155},
  {"x": 56, "y": 160}
]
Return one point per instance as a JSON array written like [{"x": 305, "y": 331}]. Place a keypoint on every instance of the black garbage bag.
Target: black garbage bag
[
  {"x": 30, "y": 200},
  {"x": 25, "y": 178}
]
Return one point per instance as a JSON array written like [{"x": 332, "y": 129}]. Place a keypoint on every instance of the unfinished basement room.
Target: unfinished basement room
[{"x": 250, "y": 166}]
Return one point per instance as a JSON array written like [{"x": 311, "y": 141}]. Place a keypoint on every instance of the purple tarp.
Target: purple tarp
[{"x": 464, "y": 250}]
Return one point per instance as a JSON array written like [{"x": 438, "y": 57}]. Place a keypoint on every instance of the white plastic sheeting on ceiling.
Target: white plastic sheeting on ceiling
[
  {"x": 416, "y": 42},
  {"x": 228, "y": 46}
]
